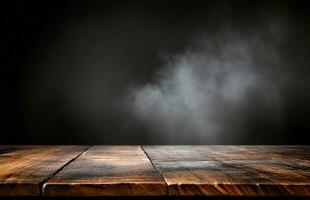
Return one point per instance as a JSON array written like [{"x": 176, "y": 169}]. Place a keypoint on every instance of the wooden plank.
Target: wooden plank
[
  {"x": 233, "y": 170},
  {"x": 224, "y": 152},
  {"x": 108, "y": 171},
  {"x": 24, "y": 168}
]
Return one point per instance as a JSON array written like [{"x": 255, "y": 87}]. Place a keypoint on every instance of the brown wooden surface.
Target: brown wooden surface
[
  {"x": 24, "y": 168},
  {"x": 233, "y": 170},
  {"x": 127, "y": 170},
  {"x": 108, "y": 171}
]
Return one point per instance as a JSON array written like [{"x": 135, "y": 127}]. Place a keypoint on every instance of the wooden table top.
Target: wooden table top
[{"x": 154, "y": 170}]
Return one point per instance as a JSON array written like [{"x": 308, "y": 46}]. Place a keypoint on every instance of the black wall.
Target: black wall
[{"x": 68, "y": 67}]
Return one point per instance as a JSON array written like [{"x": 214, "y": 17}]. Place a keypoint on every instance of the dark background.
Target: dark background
[{"x": 64, "y": 62}]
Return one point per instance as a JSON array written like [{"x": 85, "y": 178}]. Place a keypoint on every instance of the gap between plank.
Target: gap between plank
[
  {"x": 167, "y": 191},
  {"x": 41, "y": 184}
]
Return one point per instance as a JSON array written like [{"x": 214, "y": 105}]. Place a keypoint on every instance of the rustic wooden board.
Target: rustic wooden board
[
  {"x": 108, "y": 171},
  {"x": 126, "y": 170},
  {"x": 226, "y": 153},
  {"x": 24, "y": 168},
  {"x": 233, "y": 170}
]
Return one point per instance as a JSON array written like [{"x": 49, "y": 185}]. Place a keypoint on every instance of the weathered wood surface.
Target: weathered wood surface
[
  {"x": 233, "y": 170},
  {"x": 127, "y": 170},
  {"x": 108, "y": 171},
  {"x": 24, "y": 168}
]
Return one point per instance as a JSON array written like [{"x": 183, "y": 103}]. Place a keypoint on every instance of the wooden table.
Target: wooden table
[{"x": 154, "y": 170}]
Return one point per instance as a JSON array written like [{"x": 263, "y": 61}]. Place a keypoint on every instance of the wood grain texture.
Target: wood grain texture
[
  {"x": 24, "y": 168},
  {"x": 126, "y": 170},
  {"x": 233, "y": 170},
  {"x": 108, "y": 171}
]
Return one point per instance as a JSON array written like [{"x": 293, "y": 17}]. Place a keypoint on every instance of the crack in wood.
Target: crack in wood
[
  {"x": 42, "y": 184},
  {"x": 167, "y": 189}
]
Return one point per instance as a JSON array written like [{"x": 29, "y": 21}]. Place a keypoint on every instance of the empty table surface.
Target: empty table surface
[
  {"x": 154, "y": 170},
  {"x": 23, "y": 169}
]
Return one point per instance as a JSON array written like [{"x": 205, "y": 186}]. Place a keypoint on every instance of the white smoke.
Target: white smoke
[{"x": 205, "y": 95}]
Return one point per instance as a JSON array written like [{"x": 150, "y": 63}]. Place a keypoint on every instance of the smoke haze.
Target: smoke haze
[{"x": 207, "y": 94}]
